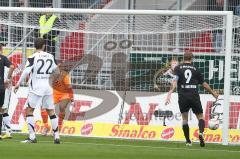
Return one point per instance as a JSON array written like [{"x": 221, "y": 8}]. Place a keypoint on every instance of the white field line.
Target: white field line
[{"x": 140, "y": 146}]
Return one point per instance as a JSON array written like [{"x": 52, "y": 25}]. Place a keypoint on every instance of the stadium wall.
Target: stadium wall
[{"x": 96, "y": 114}]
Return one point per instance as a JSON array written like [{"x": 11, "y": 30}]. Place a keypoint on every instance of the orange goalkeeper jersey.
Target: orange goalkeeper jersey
[{"x": 62, "y": 88}]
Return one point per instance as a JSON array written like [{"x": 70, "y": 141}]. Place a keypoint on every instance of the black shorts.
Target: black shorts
[
  {"x": 2, "y": 97},
  {"x": 187, "y": 101}
]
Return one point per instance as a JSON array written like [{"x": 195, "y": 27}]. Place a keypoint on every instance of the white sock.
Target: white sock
[
  {"x": 7, "y": 122},
  {"x": 31, "y": 125},
  {"x": 54, "y": 123}
]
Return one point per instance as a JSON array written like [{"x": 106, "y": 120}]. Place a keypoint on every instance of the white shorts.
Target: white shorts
[
  {"x": 36, "y": 101},
  {"x": 8, "y": 92}
]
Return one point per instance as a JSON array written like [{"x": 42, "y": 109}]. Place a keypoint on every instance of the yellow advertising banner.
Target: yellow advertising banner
[
  {"x": 149, "y": 132},
  {"x": 29, "y": 51}
]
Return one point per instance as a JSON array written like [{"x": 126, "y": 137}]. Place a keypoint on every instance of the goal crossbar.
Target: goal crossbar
[{"x": 114, "y": 11}]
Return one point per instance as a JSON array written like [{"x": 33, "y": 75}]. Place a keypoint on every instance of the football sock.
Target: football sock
[
  {"x": 31, "y": 124},
  {"x": 185, "y": 128},
  {"x": 54, "y": 122},
  {"x": 7, "y": 122},
  {"x": 201, "y": 125},
  {"x": 1, "y": 118}
]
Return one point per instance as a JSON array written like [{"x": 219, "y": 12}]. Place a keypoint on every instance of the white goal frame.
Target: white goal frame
[{"x": 228, "y": 47}]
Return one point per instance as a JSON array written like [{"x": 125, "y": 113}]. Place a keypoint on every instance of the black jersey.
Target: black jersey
[
  {"x": 189, "y": 77},
  {"x": 3, "y": 62}
]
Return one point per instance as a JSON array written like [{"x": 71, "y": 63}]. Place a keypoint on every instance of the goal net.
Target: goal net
[{"x": 132, "y": 53}]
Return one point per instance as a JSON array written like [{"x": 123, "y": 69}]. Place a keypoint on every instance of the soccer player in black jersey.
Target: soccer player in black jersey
[
  {"x": 4, "y": 117},
  {"x": 187, "y": 79}
]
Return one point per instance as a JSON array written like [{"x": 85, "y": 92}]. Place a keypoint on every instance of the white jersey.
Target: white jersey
[
  {"x": 6, "y": 69},
  {"x": 8, "y": 90},
  {"x": 41, "y": 65}
]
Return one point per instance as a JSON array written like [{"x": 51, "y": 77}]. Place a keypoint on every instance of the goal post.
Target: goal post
[
  {"x": 227, "y": 88},
  {"x": 129, "y": 51}
]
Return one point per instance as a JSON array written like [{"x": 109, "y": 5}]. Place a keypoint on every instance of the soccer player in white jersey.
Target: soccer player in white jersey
[{"x": 41, "y": 65}]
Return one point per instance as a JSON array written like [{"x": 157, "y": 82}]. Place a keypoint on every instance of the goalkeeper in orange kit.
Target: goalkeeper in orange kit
[{"x": 63, "y": 96}]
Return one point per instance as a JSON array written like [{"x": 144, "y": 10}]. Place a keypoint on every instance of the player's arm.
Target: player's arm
[
  {"x": 25, "y": 73},
  {"x": 206, "y": 85},
  {"x": 173, "y": 84},
  {"x": 8, "y": 64},
  {"x": 55, "y": 70},
  {"x": 66, "y": 79},
  {"x": 209, "y": 89},
  {"x": 172, "y": 89},
  {"x": 56, "y": 67},
  {"x": 10, "y": 72}
]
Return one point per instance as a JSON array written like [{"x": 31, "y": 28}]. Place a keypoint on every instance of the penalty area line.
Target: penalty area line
[
  {"x": 154, "y": 147},
  {"x": 142, "y": 146}
]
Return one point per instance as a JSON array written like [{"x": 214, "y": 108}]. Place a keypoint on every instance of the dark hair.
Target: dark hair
[
  {"x": 38, "y": 43},
  {"x": 187, "y": 56}
]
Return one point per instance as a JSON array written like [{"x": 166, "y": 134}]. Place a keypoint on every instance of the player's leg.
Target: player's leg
[
  {"x": 185, "y": 128},
  {"x": 50, "y": 108},
  {"x": 54, "y": 123},
  {"x": 198, "y": 111},
  {"x": 184, "y": 109},
  {"x": 6, "y": 117},
  {"x": 201, "y": 125},
  {"x": 2, "y": 96},
  {"x": 62, "y": 107},
  {"x": 31, "y": 125},
  {"x": 46, "y": 128},
  {"x": 62, "y": 100},
  {"x": 44, "y": 114},
  {"x": 7, "y": 123},
  {"x": 1, "y": 118},
  {"x": 0, "y": 126},
  {"x": 32, "y": 102}
]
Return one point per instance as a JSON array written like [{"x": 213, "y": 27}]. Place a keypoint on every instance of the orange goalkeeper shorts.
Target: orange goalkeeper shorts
[{"x": 60, "y": 96}]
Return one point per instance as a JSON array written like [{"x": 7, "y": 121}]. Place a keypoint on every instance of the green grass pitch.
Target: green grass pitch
[{"x": 96, "y": 148}]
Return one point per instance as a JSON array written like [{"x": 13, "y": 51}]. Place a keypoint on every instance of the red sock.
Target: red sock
[{"x": 44, "y": 115}]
